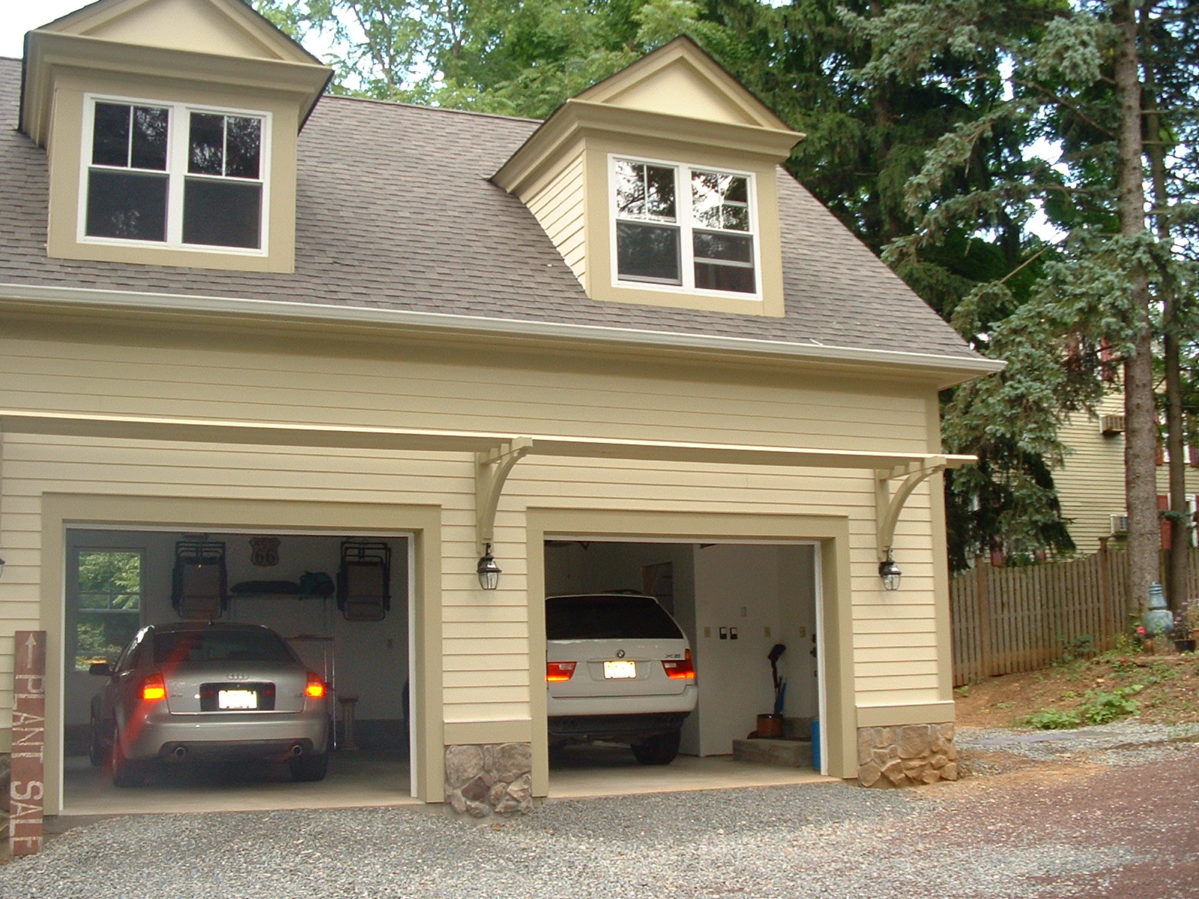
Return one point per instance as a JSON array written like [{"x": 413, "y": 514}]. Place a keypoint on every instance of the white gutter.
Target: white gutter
[{"x": 210, "y": 305}]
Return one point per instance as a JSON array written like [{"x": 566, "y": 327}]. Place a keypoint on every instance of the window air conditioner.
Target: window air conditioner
[
  {"x": 1119, "y": 524},
  {"x": 1111, "y": 424}
]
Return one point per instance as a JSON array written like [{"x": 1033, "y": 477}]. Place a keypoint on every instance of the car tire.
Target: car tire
[
  {"x": 659, "y": 749},
  {"x": 96, "y": 753},
  {"x": 125, "y": 773},
  {"x": 309, "y": 767}
]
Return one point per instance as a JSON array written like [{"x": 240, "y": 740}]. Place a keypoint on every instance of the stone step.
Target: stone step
[{"x": 784, "y": 753}]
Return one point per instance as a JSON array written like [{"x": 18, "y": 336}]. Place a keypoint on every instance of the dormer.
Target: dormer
[
  {"x": 658, "y": 186},
  {"x": 170, "y": 128}
]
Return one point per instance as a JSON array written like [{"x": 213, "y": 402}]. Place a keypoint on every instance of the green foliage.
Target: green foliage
[
  {"x": 1080, "y": 647},
  {"x": 1051, "y": 719},
  {"x": 1098, "y": 707},
  {"x": 1105, "y": 706}
]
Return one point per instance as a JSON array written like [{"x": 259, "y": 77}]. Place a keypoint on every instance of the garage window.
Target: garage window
[{"x": 109, "y": 601}]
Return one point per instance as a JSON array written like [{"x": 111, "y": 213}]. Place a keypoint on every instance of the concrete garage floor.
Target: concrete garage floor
[
  {"x": 362, "y": 779},
  {"x": 355, "y": 780}
]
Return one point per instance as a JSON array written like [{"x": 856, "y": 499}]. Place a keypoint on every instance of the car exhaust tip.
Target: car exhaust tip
[
  {"x": 297, "y": 751},
  {"x": 180, "y": 753}
]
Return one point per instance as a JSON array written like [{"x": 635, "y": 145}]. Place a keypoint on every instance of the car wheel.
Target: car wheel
[
  {"x": 659, "y": 749},
  {"x": 125, "y": 773},
  {"x": 96, "y": 753},
  {"x": 310, "y": 766}
]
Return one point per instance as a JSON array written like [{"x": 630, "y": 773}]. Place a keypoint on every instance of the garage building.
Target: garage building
[{"x": 618, "y": 349}]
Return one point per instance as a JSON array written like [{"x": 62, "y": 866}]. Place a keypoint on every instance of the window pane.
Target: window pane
[
  {"x": 606, "y": 617},
  {"x": 100, "y": 636},
  {"x": 243, "y": 145},
  {"x": 149, "y": 138},
  {"x": 659, "y": 199},
  {"x": 222, "y": 213},
  {"x": 126, "y": 204},
  {"x": 713, "y": 276},
  {"x": 110, "y": 135},
  {"x": 206, "y": 144},
  {"x": 720, "y": 201},
  {"x": 649, "y": 252},
  {"x": 644, "y": 191},
  {"x": 109, "y": 614},
  {"x": 630, "y": 189},
  {"x": 730, "y": 247},
  {"x": 220, "y": 646}
]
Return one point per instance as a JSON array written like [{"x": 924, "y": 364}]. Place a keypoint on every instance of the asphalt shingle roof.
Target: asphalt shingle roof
[{"x": 395, "y": 211}]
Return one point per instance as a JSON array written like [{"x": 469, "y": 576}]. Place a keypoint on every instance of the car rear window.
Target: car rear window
[
  {"x": 220, "y": 646},
  {"x": 597, "y": 617}
]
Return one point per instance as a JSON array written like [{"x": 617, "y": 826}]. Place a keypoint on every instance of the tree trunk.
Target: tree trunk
[
  {"x": 1176, "y": 446},
  {"x": 1140, "y": 444}
]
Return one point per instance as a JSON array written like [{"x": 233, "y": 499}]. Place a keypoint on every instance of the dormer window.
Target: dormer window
[
  {"x": 684, "y": 226},
  {"x": 174, "y": 175}
]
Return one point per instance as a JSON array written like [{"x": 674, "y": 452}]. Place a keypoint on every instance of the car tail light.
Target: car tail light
[
  {"x": 556, "y": 672},
  {"x": 680, "y": 669},
  {"x": 316, "y": 687},
  {"x": 154, "y": 688}
]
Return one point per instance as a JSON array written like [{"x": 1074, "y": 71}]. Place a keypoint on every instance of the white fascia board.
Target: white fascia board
[{"x": 960, "y": 368}]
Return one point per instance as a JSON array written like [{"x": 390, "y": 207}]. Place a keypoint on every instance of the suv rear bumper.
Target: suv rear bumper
[{"x": 614, "y": 727}]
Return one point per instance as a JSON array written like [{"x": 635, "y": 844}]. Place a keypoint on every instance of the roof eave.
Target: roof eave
[{"x": 941, "y": 369}]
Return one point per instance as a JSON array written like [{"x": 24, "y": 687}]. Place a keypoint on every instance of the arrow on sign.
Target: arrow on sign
[{"x": 30, "y": 645}]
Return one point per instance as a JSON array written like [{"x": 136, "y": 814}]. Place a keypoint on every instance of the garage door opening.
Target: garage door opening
[
  {"x": 735, "y": 603},
  {"x": 117, "y": 581}
]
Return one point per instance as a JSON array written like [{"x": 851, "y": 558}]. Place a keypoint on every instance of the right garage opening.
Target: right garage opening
[{"x": 735, "y": 602}]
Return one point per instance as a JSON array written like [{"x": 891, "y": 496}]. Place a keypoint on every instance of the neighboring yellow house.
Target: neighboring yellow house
[
  {"x": 620, "y": 348},
  {"x": 1090, "y": 485}
]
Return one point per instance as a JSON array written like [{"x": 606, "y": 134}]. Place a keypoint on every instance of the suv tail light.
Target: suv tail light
[
  {"x": 316, "y": 687},
  {"x": 680, "y": 669},
  {"x": 154, "y": 688},
  {"x": 555, "y": 672}
]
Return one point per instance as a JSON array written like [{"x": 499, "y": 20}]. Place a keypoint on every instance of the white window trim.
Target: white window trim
[
  {"x": 176, "y": 173},
  {"x": 685, "y": 224}
]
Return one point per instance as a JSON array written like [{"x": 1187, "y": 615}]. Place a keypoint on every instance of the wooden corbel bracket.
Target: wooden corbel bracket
[
  {"x": 492, "y": 468},
  {"x": 889, "y": 505}
]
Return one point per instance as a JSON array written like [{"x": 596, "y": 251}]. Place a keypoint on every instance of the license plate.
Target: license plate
[
  {"x": 237, "y": 699},
  {"x": 620, "y": 668}
]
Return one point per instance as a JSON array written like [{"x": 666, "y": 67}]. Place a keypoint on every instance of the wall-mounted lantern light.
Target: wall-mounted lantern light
[
  {"x": 488, "y": 571},
  {"x": 889, "y": 572}
]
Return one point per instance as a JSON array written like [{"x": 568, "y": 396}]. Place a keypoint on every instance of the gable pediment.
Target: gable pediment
[
  {"x": 680, "y": 79},
  {"x": 221, "y": 27}
]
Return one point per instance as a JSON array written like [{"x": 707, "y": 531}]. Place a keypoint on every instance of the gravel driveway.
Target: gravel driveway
[{"x": 1102, "y": 812}]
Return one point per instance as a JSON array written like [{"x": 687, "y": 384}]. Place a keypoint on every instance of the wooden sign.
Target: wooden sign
[{"x": 28, "y": 789}]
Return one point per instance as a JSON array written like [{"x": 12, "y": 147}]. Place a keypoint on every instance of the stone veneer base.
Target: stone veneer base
[
  {"x": 487, "y": 779},
  {"x": 906, "y": 755}
]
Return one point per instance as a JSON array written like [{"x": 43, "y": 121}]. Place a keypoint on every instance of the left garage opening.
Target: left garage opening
[{"x": 118, "y": 580}]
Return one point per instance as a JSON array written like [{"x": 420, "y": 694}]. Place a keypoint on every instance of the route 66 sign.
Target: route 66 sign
[{"x": 264, "y": 551}]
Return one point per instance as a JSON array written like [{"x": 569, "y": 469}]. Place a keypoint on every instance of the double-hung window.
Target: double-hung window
[
  {"x": 684, "y": 225},
  {"x": 175, "y": 175}
]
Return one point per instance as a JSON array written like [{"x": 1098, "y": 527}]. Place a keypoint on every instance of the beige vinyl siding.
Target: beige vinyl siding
[
  {"x": 558, "y": 207},
  {"x": 485, "y": 648},
  {"x": 1090, "y": 486}
]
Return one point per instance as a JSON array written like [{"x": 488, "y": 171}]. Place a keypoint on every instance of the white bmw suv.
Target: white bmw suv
[{"x": 618, "y": 668}]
